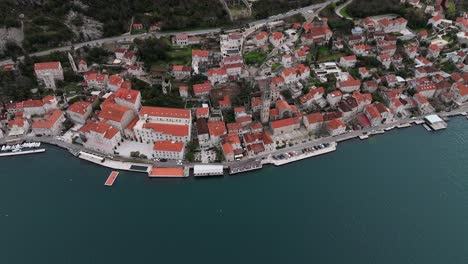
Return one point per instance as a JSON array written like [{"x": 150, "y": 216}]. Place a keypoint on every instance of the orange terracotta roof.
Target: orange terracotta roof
[
  {"x": 277, "y": 35},
  {"x": 126, "y": 85},
  {"x": 261, "y": 35},
  {"x": 168, "y": 146},
  {"x": 314, "y": 118},
  {"x": 201, "y": 88},
  {"x": 167, "y": 172},
  {"x": 216, "y": 128},
  {"x": 115, "y": 80},
  {"x": 54, "y": 65},
  {"x": 216, "y": 71},
  {"x": 372, "y": 111},
  {"x": 165, "y": 112},
  {"x": 100, "y": 127},
  {"x": 33, "y": 103},
  {"x": 114, "y": 112},
  {"x": 17, "y": 121},
  {"x": 227, "y": 148},
  {"x": 202, "y": 111},
  {"x": 168, "y": 129},
  {"x": 200, "y": 53},
  {"x": 51, "y": 118},
  {"x": 284, "y": 122},
  {"x": 127, "y": 94},
  {"x": 335, "y": 124}
]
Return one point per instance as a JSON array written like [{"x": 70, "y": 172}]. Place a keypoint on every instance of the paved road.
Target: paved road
[
  {"x": 99, "y": 42},
  {"x": 338, "y": 9}
]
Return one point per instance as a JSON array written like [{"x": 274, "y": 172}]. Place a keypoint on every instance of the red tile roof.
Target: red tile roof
[
  {"x": 79, "y": 107},
  {"x": 200, "y": 53},
  {"x": 127, "y": 95},
  {"x": 277, "y": 35},
  {"x": 115, "y": 80},
  {"x": 51, "y": 118},
  {"x": 217, "y": 128},
  {"x": 33, "y": 103},
  {"x": 114, "y": 112},
  {"x": 284, "y": 122},
  {"x": 335, "y": 124},
  {"x": 54, "y": 65},
  {"x": 261, "y": 35},
  {"x": 372, "y": 111},
  {"x": 311, "y": 94},
  {"x": 168, "y": 146},
  {"x": 167, "y": 172},
  {"x": 100, "y": 127},
  {"x": 169, "y": 129},
  {"x": 314, "y": 118},
  {"x": 201, "y": 88},
  {"x": 216, "y": 71},
  {"x": 202, "y": 111},
  {"x": 165, "y": 112}
]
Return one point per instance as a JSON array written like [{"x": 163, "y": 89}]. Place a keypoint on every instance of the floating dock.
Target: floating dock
[
  {"x": 23, "y": 152},
  {"x": 111, "y": 179},
  {"x": 169, "y": 172}
]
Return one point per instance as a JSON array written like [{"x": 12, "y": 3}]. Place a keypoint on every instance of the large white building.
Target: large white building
[
  {"x": 101, "y": 137},
  {"x": 128, "y": 98},
  {"x": 79, "y": 111},
  {"x": 168, "y": 150},
  {"x": 159, "y": 124},
  {"x": 117, "y": 115},
  {"x": 48, "y": 73},
  {"x": 51, "y": 125}
]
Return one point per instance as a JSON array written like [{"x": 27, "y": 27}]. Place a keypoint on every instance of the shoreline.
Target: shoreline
[{"x": 241, "y": 165}]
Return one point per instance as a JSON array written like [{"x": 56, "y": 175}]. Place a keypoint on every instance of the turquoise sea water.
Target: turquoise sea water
[{"x": 401, "y": 198}]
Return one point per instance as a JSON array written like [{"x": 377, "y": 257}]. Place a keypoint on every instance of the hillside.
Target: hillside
[
  {"x": 265, "y": 8},
  {"x": 50, "y": 23}
]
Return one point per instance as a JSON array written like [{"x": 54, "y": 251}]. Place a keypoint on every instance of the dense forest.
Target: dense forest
[{"x": 265, "y": 8}]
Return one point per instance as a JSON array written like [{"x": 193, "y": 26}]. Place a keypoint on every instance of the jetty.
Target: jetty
[
  {"x": 311, "y": 152},
  {"x": 362, "y": 137},
  {"x": 245, "y": 166},
  {"x": 22, "y": 152},
  {"x": 404, "y": 125},
  {"x": 111, "y": 179}
]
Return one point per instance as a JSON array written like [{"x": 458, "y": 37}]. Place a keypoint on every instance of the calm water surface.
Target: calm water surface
[{"x": 401, "y": 198}]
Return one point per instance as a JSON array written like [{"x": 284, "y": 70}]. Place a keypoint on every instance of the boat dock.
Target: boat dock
[
  {"x": 278, "y": 161},
  {"x": 244, "y": 167},
  {"x": 427, "y": 127},
  {"x": 208, "y": 170},
  {"x": 404, "y": 125},
  {"x": 435, "y": 122},
  {"x": 22, "y": 152},
  {"x": 111, "y": 179}
]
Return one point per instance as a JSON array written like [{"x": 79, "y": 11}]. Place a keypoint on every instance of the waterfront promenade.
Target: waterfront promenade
[{"x": 124, "y": 163}]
